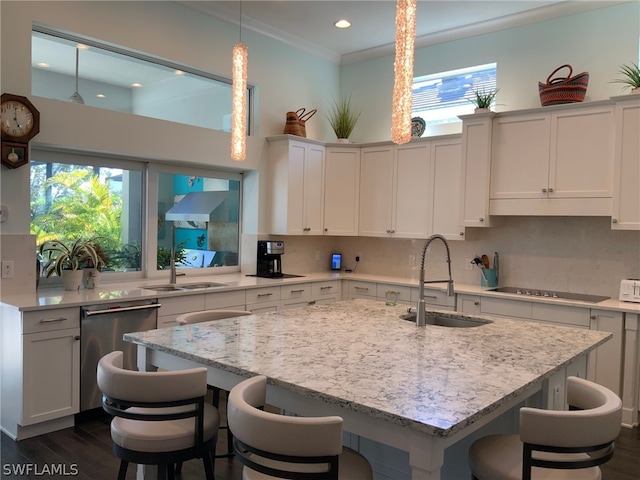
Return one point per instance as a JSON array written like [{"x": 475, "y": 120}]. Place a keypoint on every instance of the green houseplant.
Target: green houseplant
[
  {"x": 630, "y": 77},
  {"x": 483, "y": 99},
  {"x": 66, "y": 259},
  {"x": 343, "y": 118}
]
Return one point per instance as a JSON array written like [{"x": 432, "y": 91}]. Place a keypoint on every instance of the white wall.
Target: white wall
[{"x": 598, "y": 42}]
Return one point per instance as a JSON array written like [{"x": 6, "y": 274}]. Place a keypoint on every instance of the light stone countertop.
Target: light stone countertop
[
  {"x": 358, "y": 354},
  {"x": 114, "y": 292}
]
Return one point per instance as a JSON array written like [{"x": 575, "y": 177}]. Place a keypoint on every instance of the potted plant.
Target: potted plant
[
  {"x": 343, "y": 118},
  {"x": 630, "y": 77},
  {"x": 66, "y": 259},
  {"x": 483, "y": 99},
  {"x": 91, "y": 269}
]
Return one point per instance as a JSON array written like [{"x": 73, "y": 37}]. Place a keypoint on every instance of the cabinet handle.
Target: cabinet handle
[
  {"x": 77, "y": 337},
  {"x": 297, "y": 291},
  {"x": 476, "y": 303},
  {"x": 544, "y": 190},
  {"x": 593, "y": 317},
  {"x": 361, "y": 288},
  {"x": 614, "y": 220},
  {"x": 306, "y": 229},
  {"x": 49, "y": 320},
  {"x": 481, "y": 219},
  {"x": 462, "y": 234},
  {"x": 326, "y": 229},
  {"x": 429, "y": 296},
  {"x": 325, "y": 288},
  {"x": 265, "y": 294},
  {"x": 550, "y": 190},
  {"x": 393, "y": 231},
  {"x": 312, "y": 302}
]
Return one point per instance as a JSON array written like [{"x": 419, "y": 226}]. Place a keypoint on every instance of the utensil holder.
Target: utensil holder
[{"x": 491, "y": 278}]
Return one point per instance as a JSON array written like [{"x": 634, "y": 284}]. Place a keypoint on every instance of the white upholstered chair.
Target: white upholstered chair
[
  {"x": 160, "y": 418},
  {"x": 208, "y": 316},
  {"x": 554, "y": 444},
  {"x": 279, "y": 446}
]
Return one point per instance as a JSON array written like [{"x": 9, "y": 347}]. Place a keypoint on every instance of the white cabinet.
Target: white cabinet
[
  {"x": 296, "y": 187},
  {"x": 40, "y": 370},
  {"x": 295, "y": 295},
  {"x": 172, "y": 307},
  {"x": 341, "y": 191},
  {"x": 553, "y": 163},
  {"x": 230, "y": 300},
  {"x": 626, "y": 194},
  {"x": 263, "y": 299},
  {"x": 475, "y": 170},
  {"x": 605, "y": 363},
  {"x": 444, "y": 205},
  {"x": 328, "y": 291},
  {"x": 361, "y": 289},
  {"x": 412, "y": 190}
]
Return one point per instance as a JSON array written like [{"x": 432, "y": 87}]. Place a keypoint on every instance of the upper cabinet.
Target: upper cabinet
[
  {"x": 411, "y": 190},
  {"x": 556, "y": 162},
  {"x": 296, "y": 186},
  {"x": 626, "y": 194},
  {"x": 341, "y": 191}
]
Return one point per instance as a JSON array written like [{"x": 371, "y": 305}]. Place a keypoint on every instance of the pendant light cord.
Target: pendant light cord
[{"x": 77, "y": 61}]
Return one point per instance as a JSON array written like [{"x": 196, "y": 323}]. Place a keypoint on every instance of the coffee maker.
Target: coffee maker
[{"x": 269, "y": 259}]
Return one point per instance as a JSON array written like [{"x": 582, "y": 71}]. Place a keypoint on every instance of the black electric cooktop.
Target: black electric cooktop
[{"x": 284, "y": 275}]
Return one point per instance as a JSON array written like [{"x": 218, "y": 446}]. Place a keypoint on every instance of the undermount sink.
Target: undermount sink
[
  {"x": 448, "y": 321},
  {"x": 186, "y": 286}
]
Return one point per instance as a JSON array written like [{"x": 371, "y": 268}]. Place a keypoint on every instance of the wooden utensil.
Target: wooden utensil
[{"x": 485, "y": 261}]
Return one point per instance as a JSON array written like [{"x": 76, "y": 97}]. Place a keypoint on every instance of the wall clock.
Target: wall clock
[{"x": 19, "y": 123}]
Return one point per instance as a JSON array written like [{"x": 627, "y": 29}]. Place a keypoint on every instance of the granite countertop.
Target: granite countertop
[
  {"x": 360, "y": 355},
  {"x": 114, "y": 292}
]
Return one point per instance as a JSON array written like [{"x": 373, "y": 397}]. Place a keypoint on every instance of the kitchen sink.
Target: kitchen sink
[
  {"x": 453, "y": 321},
  {"x": 185, "y": 286}
]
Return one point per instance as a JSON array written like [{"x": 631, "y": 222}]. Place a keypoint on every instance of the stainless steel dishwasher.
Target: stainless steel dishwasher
[{"x": 101, "y": 330}]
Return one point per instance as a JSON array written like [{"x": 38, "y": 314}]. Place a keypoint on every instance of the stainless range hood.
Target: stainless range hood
[{"x": 196, "y": 206}]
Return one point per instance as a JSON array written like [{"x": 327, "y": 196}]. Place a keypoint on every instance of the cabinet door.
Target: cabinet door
[
  {"x": 520, "y": 157},
  {"x": 411, "y": 191},
  {"x": 314, "y": 191},
  {"x": 294, "y": 190},
  {"x": 51, "y": 375},
  {"x": 475, "y": 170},
  {"x": 445, "y": 199},
  {"x": 376, "y": 193},
  {"x": 341, "y": 191},
  {"x": 581, "y": 157},
  {"x": 468, "y": 304},
  {"x": 626, "y": 194},
  {"x": 605, "y": 362}
]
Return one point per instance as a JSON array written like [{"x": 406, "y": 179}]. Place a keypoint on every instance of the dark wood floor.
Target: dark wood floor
[{"x": 87, "y": 449}]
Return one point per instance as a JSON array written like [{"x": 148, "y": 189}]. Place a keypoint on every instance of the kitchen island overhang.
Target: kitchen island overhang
[{"x": 359, "y": 359}]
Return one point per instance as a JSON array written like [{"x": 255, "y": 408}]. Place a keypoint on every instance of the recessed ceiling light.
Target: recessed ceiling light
[
  {"x": 43, "y": 65},
  {"x": 343, "y": 23},
  {"x": 136, "y": 85},
  {"x": 179, "y": 72},
  {"x": 101, "y": 95}
]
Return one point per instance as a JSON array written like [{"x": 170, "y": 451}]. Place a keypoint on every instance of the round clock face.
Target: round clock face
[{"x": 17, "y": 119}]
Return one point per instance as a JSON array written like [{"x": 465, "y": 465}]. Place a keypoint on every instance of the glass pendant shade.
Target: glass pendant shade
[
  {"x": 239, "y": 103},
  {"x": 403, "y": 71}
]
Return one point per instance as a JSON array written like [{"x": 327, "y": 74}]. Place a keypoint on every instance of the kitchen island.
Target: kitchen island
[{"x": 419, "y": 389}]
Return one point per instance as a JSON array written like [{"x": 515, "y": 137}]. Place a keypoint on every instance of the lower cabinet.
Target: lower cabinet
[
  {"x": 40, "y": 370},
  {"x": 604, "y": 363},
  {"x": 326, "y": 292},
  {"x": 172, "y": 307},
  {"x": 264, "y": 299}
]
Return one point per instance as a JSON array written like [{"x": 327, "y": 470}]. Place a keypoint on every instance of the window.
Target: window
[
  {"x": 116, "y": 79},
  {"x": 76, "y": 196},
  {"x": 439, "y": 98},
  {"x": 207, "y": 232}
]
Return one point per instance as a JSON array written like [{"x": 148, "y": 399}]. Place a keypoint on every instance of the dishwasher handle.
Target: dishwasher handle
[{"x": 87, "y": 313}]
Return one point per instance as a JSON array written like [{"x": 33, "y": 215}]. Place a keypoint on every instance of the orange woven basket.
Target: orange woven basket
[{"x": 569, "y": 89}]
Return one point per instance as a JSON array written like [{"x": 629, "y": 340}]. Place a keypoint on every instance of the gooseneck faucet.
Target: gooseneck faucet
[
  {"x": 421, "y": 314},
  {"x": 172, "y": 261}
]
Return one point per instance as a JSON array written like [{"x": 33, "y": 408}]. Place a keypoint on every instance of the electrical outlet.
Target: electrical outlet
[
  {"x": 358, "y": 257},
  {"x": 7, "y": 269},
  {"x": 467, "y": 264},
  {"x": 412, "y": 260}
]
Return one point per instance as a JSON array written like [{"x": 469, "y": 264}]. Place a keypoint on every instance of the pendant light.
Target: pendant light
[
  {"x": 239, "y": 99},
  {"x": 403, "y": 71},
  {"x": 76, "y": 97}
]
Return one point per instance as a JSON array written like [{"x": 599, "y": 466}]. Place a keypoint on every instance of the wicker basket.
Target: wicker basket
[
  {"x": 296, "y": 122},
  {"x": 570, "y": 89}
]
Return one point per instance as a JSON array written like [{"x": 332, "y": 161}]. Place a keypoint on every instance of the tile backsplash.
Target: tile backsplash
[{"x": 571, "y": 254}]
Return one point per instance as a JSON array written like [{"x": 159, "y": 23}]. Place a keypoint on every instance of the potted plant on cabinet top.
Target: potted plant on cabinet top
[
  {"x": 630, "y": 77},
  {"x": 66, "y": 259},
  {"x": 483, "y": 99},
  {"x": 343, "y": 118}
]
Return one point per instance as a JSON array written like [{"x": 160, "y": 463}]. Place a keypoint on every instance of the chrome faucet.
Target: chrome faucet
[
  {"x": 172, "y": 262},
  {"x": 421, "y": 314}
]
